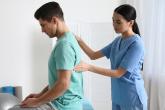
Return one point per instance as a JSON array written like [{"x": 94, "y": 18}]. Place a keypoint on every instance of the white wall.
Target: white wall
[
  {"x": 25, "y": 50},
  {"x": 88, "y": 10}
]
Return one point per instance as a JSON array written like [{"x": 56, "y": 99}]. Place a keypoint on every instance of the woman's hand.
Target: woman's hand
[
  {"x": 78, "y": 38},
  {"x": 82, "y": 66}
]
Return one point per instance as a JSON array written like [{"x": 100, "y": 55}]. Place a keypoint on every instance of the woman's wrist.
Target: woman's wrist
[{"x": 90, "y": 67}]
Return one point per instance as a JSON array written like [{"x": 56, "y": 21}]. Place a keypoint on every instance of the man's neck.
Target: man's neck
[{"x": 62, "y": 30}]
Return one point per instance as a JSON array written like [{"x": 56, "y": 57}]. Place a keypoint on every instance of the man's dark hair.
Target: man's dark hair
[{"x": 48, "y": 10}]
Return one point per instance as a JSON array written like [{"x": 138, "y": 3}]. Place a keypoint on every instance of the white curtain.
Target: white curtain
[{"x": 151, "y": 20}]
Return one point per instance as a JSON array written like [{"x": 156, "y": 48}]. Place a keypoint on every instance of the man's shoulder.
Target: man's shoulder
[{"x": 63, "y": 42}]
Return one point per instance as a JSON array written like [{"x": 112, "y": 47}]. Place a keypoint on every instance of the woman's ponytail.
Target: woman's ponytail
[{"x": 136, "y": 28}]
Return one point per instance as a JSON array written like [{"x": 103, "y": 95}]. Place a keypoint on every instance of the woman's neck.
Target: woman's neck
[{"x": 128, "y": 33}]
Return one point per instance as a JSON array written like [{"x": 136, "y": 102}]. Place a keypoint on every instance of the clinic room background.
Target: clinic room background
[{"x": 25, "y": 49}]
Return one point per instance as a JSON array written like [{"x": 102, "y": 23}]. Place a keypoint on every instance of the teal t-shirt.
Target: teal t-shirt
[{"x": 65, "y": 55}]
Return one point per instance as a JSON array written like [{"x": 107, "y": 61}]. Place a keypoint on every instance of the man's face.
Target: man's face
[{"x": 48, "y": 28}]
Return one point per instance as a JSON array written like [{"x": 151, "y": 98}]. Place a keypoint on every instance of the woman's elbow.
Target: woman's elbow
[
  {"x": 119, "y": 73},
  {"x": 93, "y": 56},
  {"x": 118, "y": 76}
]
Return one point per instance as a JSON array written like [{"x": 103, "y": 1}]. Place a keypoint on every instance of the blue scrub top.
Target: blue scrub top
[{"x": 127, "y": 53}]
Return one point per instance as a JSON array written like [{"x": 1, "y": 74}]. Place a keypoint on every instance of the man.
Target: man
[{"x": 65, "y": 89}]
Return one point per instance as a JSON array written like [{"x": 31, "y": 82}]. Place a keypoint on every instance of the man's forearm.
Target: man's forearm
[
  {"x": 44, "y": 90},
  {"x": 60, "y": 86},
  {"x": 58, "y": 90}
]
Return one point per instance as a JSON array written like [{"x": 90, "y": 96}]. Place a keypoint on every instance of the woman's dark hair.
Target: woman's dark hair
[
  {"x": 48, "y": 10},
  {"x": 129, "y": 13}
]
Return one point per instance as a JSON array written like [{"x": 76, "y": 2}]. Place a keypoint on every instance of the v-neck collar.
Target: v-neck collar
[{"x": 121, "y": 40}]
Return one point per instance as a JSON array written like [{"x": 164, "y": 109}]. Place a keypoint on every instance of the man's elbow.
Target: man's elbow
[{"x": 64, "y": 85}]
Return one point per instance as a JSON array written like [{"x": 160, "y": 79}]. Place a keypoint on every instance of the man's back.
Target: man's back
[{"x": 65, "y": 55}]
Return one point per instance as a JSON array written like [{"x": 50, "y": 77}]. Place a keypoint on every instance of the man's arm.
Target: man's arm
[
  {"x": 34, "y": 95},
  {"x": 44, "y": 90},
  {"x": 59, "y": 88}
]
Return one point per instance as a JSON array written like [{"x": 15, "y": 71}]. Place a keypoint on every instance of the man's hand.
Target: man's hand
[
  {"x": 31, "y": 96},
  {"x": 30, "y": 102}
]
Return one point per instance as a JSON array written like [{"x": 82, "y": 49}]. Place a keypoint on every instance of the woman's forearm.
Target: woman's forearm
[
  {"x": 106, "y": 72},
  {"x": 86, "y": 49}
]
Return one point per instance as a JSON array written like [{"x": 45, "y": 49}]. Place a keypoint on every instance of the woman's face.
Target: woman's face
[{"x": 120, "y": 24}]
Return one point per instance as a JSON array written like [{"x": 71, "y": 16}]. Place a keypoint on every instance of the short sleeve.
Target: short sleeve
[
  {"x": 64, "y": 56},
  {"x": 133, "y": 56},
  {"x": 106, "y": 50}
]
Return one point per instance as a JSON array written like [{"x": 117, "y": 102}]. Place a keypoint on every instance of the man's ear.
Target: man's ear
[{"x": 54, "y": 19}]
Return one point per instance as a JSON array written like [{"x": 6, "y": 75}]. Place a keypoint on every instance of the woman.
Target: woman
[{"x": 126, "y": 54}]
